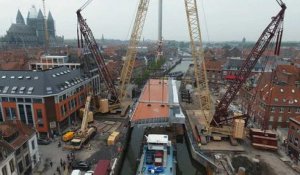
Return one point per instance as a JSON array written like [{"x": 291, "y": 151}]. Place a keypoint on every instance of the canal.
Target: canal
[{"x": 185, "y": 164}]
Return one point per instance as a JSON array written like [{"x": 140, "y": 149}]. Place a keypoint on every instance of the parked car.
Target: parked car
[
  {"x": 81, "y": 165},
  {"x": 43, "y": 142}
]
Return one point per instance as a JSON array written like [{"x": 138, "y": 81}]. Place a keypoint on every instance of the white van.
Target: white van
[{"x": 76, "y": 172}]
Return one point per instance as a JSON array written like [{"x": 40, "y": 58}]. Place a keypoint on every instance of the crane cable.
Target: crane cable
[
  {"x": 85, "y": 4},
  {"x": 205, "y": 22}
]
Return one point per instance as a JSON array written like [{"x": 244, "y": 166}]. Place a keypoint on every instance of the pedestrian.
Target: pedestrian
[
  {"x": 64, "y": 167},
  {"x": 51, "y": 163},
  {"x": 58, "y": 170},
  {"x": 68, "y": 157},
  {"x": 61, "y": 162}
]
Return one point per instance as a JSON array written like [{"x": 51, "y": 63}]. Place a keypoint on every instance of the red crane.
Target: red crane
[
  {"x": 275, "y": 28},
  {"x": 91, "y": 43}
]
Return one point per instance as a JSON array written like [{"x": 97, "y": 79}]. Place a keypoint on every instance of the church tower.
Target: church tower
[
  {"x": 51, "y": 26},
  {"x": 19, "y": 18},
  {"x": 40, "y": 27}
]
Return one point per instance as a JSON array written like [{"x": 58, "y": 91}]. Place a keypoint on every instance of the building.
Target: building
[
  {"x": 32, "y": 33},
  {"x": 48, "y": 100},
  {"x": 277, "y": 97},
  {"x": 214, "y": 72},
  {"x": 233, "y": 65},
  {"x": 7, "y": 159},
  {"x": 23, "y": 140},
  {"x": 293, "y": 138},
  {"x": 52, "y": 61}
]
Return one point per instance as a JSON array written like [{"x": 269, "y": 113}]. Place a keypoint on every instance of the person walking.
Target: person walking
[{"x": 51, "y": 163}]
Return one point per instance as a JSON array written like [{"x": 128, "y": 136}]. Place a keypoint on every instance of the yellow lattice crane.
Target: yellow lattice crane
[
  {"x": 205, "y": 101},
  {"x": 132, "y": 47}
]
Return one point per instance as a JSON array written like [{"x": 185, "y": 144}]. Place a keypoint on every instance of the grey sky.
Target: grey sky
[{"x": 226, "y": 19}]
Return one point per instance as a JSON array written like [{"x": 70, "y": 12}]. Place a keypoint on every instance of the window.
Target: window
[
  {"x": 4, "y": 99},
  {"x": 276, "y": 99},
  {"x": 10, "y": 113},
  {"x": 12, "y": 166},
  {"x": 12, "y": 100},
  {"x": 37, "y": 100},
  {"x": 4, "y": 170},
  {"x": 20, "y": 165},
  {"x": 28, "y": 100},
  {"x": 272, "y": 109},
  {"x": 298, "y": 110},
  {"x": 18, "y": 151},
  {"x": 280, "y": 119},
  {"x": 296, "y": 141},
  {"x": 29, "y": 114},
  {"x": 20, "y": 99},
  {"x": 271, "y": 118},
  {"x": 32, "y": 145},
  {"x": 289, "y": 110},
  {"x": 24, "y": 145},
  {"x": 281, "y": 109},
  {"x": 22, "y": 113},
  {"x": 40, "y": 117},
  {"x": 1, "y": 116},
  {"x": 27, "y": 160},
  {"x": 34, "y": 159}
]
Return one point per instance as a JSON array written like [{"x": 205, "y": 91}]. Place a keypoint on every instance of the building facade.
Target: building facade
[
  {"x": 51, "y": 61},
  {"x": 21, "y": 137},
  {"x": 294, "y": 138},
  {"x": 7, "y": 159},
  {"x": 277, "y": 97},
  {"x": 47, "y": 100}
]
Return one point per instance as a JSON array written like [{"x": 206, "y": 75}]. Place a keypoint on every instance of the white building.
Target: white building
[
  {"x": 7, "y": 159},
  {"x": 33, "y": 150}
]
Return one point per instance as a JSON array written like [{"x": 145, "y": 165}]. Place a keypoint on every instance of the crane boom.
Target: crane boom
[
  {"x": 85, "y": 114},
  {"x": 132, "y": 47},
  {"x": 94, "y": 49},
  {"x": 46, "y": 27},
  {"x": 274, "y": 28},
  {"x": 199, "y": 62}
]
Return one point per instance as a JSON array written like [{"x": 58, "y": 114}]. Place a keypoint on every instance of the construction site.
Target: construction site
[{"x": 159, "y": 107}]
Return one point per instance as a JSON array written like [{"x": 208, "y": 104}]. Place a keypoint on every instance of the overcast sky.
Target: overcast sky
[{"x": 226, "y": 20}]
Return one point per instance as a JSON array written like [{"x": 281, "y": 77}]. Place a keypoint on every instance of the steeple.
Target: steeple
[
  {"x": 40, "y": 15},
  {"x": 50, "y": 18},
  {"x": 20, "y": 19}
]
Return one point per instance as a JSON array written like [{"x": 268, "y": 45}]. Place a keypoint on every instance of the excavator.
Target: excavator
[{"x": 216, "y": 123}]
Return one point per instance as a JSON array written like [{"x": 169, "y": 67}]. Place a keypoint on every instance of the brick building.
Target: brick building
[
  {"x": 277, "y": 92},
  {"x": 48, "y": 100},
  {"x": 214, "y": 72},
  {"x": 293, "y": 138}
]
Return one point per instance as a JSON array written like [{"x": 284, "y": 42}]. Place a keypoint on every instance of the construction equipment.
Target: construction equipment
[
  {"x": 275, "y": 28},
  {"x": 83, "y": 135},
  {"x": 46, "y": 27},
  {"x": 214, "y": 124},
  {"x": 132, "y": 47},
  {"x": 93, "y": 47}
]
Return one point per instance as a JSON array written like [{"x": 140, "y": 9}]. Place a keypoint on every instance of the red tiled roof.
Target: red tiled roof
[
  {"x": 213, "y": 64},
  {"x": 285, "y": 95},
  {"x": 8, "y": 128}
]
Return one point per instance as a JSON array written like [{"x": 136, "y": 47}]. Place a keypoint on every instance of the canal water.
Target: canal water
[{"x": 185, "y": 164}]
